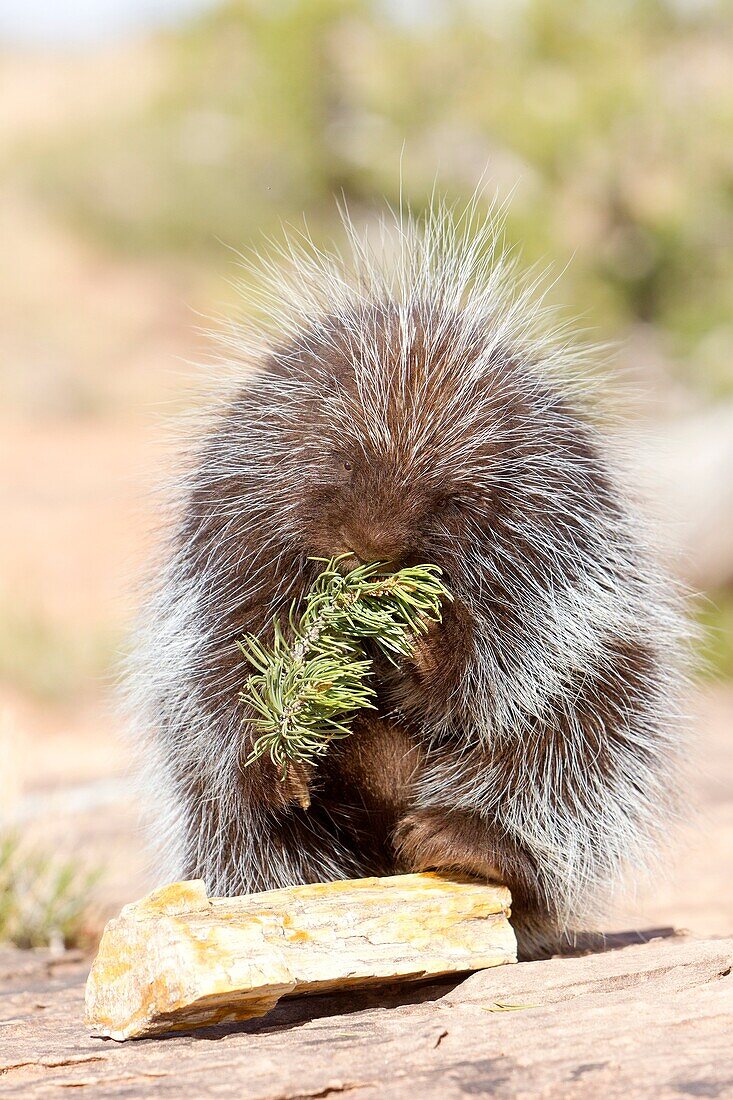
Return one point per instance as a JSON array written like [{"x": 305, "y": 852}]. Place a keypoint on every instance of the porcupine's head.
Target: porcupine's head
[{"x": 414, "y": 409}]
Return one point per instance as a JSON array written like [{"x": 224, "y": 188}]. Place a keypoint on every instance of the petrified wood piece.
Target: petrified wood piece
[{"x": 179, "y": 960}]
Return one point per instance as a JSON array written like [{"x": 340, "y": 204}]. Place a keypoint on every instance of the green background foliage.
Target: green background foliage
[{"x": 610, "y": 124}]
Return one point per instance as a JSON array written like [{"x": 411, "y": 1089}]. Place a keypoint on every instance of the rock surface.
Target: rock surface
[{"x": 650, "y": 1019}]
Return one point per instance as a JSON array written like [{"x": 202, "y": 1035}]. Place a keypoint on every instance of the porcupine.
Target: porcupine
[{"x": 412, "y": 404}]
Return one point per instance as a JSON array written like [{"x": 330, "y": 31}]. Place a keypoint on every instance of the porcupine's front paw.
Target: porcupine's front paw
[
  {"x": 294, "y": 789},
  {"x": 443, "y": 840},
  {"x": 425, "y": 657},
  {"x": 440, "y": 655}
]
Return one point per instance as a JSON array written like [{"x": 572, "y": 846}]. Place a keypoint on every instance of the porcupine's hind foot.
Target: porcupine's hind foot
[
  {"x": 455, "y": 841},
  {"x": 444, "y": 840}
]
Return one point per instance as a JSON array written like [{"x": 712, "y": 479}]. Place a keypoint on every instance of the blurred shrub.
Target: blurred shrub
[
  {"x": 612, "y": 122},
  {"x": 715, "y": 618},
  {"x": 43, "y": 901},
  {"x": 51, "y": 661}
]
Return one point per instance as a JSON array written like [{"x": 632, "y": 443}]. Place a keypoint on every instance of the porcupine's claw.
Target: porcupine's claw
[{"x": 296, "y": 785}]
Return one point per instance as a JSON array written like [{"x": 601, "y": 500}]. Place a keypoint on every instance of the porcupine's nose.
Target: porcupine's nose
[{"x": 373, "y": 541}]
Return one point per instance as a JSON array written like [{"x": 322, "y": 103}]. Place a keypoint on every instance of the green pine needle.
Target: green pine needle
[{"x": 306, "y": 690}]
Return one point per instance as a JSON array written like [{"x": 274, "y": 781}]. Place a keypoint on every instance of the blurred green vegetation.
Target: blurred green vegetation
[
  {"x": 51, "y": 661},
  {"x": 715, "y": 620},
  {"x": 611, "y": 124},
  {"x": 44, "y": 901}
]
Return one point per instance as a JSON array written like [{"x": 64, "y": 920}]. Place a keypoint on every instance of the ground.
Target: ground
[
  {"x": 647, "y": 1020},
  {"x": 646, "y": 1015}
]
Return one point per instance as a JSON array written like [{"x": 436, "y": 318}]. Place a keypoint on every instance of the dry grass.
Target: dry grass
[{"x": 44, "y": 901}]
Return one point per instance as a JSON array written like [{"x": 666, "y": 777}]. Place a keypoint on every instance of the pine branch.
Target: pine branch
[{"x": 305, "y": 691}]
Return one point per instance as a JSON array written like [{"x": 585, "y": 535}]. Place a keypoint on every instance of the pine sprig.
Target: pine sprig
[{"x": 306, "y": 690}]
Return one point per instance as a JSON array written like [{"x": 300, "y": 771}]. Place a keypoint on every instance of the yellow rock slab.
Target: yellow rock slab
[{"x": 179, "y": 960}]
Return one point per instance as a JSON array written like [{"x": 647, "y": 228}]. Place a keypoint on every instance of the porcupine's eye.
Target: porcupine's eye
[
  {"x": 342, "y": 467},
  {"x": 449, "y": 502},
  {"x": 458, "y": 502}
]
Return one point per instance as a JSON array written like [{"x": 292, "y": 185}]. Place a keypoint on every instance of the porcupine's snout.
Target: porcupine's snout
[{"x": 370, "y": 539}]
